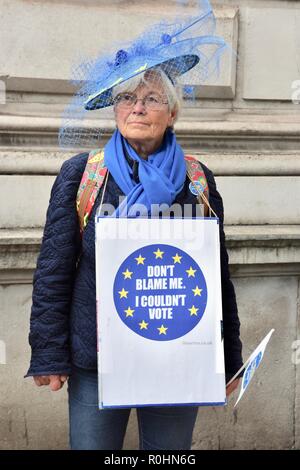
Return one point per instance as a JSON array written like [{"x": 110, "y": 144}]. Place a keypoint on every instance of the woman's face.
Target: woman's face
[{"x": 139, "y": 123}]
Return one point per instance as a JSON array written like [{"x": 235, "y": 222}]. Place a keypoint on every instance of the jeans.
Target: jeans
[{"x": 161, "y": 428}]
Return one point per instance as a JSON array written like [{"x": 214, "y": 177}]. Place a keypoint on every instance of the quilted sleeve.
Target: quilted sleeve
[
  {"x": 54, "y": 276},
  {"x": 231, "y": 323}
]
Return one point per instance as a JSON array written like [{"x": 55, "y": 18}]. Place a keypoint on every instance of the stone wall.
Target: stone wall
[{"x": 245, "y": 126}]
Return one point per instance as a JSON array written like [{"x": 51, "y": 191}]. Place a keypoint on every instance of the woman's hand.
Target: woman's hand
[
  {"x": 56, "y": 382},
  {"x": 233, "y": 386}
]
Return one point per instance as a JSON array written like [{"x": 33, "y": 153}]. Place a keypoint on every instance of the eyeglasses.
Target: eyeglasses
[{"x": 128, "y": 101}]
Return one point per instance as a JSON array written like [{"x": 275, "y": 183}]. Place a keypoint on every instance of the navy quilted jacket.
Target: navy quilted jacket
[{"x": 63, "y": 316}]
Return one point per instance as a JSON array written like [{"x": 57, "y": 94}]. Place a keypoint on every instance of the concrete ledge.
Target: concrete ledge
[
  {"x": 228, "y": 132},
  {"x": 267, "y": 125},
  {"x": 48, "y": 162},
  {"x": 253, "y": 250},
  {"x": 248, "y": 200}
]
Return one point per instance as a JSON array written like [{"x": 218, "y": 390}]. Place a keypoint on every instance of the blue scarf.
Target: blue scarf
[{"x": 161, "y": 177}]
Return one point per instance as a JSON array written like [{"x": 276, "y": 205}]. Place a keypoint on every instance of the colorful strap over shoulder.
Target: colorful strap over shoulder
[
  {"x": 198, "y": 184},
  {"x": 90, "y": 185},
  {"x": 94, "y": 175}
]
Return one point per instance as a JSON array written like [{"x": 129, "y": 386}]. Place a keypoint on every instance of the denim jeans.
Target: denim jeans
[{"x": 167, "y": 428}]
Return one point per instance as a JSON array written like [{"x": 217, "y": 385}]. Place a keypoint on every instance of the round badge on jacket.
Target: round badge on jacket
[{"x": 196, "y": 187}]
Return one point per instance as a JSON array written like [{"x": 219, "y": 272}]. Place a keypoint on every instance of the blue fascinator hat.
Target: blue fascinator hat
[
  {"x": 185, "y": 44},
  {"x": 174, "y": 47}
]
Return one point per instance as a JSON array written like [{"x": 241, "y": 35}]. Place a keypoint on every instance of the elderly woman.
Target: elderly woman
[{"x": 147, "y": 165}]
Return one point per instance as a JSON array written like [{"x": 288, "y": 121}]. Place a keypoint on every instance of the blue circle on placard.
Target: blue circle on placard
[{"x": 160, "y": 292}]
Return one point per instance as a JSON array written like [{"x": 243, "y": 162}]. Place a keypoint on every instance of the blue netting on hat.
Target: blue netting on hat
[{"x": 183, "y": 44}]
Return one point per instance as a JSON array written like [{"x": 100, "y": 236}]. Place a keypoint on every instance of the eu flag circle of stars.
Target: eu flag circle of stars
[{"x": 185, "y": 315}]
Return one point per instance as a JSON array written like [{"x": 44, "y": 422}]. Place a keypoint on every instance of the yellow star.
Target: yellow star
[
  {"x": 143, "y": 325},
  {"x": 127, "y": 274},
  {"x": 191, "y": 272},
  {"x": 123, "y": 293},
  {"x": 140, "y": 259},
  {"x": 197, "y": 291},
  {"x": 193, "y": 310},
  {"x": 158, "y": 253},
  {"x": 129, "y": 312},
  {"x": 177, "y": 258},
  {"x": 162, "y": 330}
]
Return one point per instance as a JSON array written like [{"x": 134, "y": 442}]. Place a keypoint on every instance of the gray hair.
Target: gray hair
[{"x": 173, "y": 93}]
